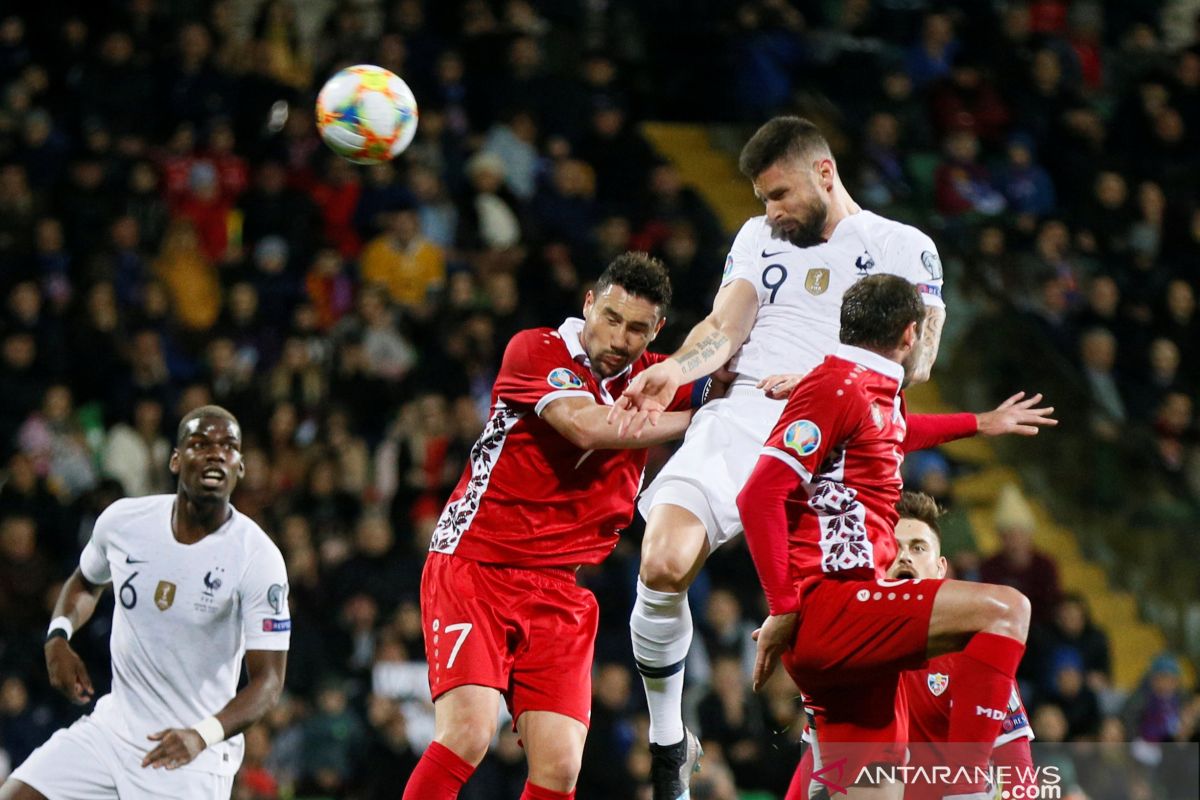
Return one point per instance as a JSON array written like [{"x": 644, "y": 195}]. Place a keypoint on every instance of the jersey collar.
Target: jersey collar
[
  {"x": 872, "y": 361},
  {"x": 570, "y": 332}
]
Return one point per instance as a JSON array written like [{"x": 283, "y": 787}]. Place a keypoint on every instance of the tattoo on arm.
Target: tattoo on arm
[
  {"x": 931, "y": 337},
  {"x": 695, "y": 356}
]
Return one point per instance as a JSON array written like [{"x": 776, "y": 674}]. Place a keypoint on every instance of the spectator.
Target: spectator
[
  {"x": 1068, "y": 691},
  {"x": 1154, "y": 712},
  {"x": 408, "y": 265},
  {"x": 731, "y": 716},
  {"x": 136, "y": 452},
  {"x": 190, "y": 277},
  {"x": 962, "y": 185},
  {"x": 1019, "y": 564},
  {"x": 1072, "y": 629}
]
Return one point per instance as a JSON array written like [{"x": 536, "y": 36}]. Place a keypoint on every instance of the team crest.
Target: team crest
[
  {"x": 164, "y": 595},
  {"x": 864, "y": 263},
  {"x": 877, "y": 416},
  {"x": 933, "y": 264},
  {"x": 803, "y": 436},
  {"x": 938, "y": 681},
  {"x": 563, "y": 378},
  {"x": 817, "y": 281}
]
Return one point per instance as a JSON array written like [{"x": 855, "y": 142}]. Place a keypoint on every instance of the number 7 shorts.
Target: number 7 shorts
[{"x": 529, "y": 633}]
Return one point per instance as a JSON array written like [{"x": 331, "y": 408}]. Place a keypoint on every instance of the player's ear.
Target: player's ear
[
  {"x": 943, "y": 566},
  {"x": 658, "y": 327},
  {"x": 826, "y": 173},
  {"x": 241, "y": 469},
  {"x": 589, "y": 300},
  {"x": 173, "y": 464}
]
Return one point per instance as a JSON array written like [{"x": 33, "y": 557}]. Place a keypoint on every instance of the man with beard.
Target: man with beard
[
  {"x": 198, "y": 586},
  {"x": 548, "y": 487},
  {"x": 776, "y": 312}
]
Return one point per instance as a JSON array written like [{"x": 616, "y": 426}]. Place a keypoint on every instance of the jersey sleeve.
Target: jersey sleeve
[
  {"x": 1016, "y": 721},
  {"x": 93, "y": 561},
  {"x": 930, "y": 430},
  {"x": 537, "y": 369},
  {"x": 266, "y": 619},
  {"x": 743, "y": 258},
  {"x": 913, "y": 255},
  {"x": 820, "y": 415}
]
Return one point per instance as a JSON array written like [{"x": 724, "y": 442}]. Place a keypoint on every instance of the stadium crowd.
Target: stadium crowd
[{"x": 173, "y": 233}]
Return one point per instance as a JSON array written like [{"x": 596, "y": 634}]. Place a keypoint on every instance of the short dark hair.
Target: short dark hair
[
  {"x": 638, "y": 273},
  {"x": 781, "y": 138},
  {"x": 877, "y": 310},
  {"x": 922, "y": 508},
  {"x": 200, "y": 413}
]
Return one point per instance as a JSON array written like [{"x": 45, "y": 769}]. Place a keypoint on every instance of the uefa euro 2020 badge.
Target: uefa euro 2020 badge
[
  {"x": 563, "y": 378},
  {"x": 803, "y": 436}
]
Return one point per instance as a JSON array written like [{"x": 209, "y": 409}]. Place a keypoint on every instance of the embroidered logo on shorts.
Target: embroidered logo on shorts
[
  {"x": 937, "y": 681},
  {"x": 563, "y": 378},
  {"x": 803, "y": 436}
]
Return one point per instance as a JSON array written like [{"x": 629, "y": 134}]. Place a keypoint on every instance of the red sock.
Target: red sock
[
  {"x": 538, "y": 793},
  {"x": 439, "y": 775},
  {"x": 982, "y": 685}
]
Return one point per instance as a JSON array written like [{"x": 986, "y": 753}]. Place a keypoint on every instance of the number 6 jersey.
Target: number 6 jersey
[{"x": 800, "y": 288}]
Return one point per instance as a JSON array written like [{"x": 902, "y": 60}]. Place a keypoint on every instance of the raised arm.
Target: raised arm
[
  {"x": 711, "y": 343},
  {"x": 75, "y": 605},
  {"x": 178, "y": 746}
]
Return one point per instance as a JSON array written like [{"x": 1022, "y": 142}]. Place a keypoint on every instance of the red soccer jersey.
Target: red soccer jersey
[
  {"x": 841, "y": 437},
  {"x": 930, "y": 693},
  {"x": 528, "y": 497}
]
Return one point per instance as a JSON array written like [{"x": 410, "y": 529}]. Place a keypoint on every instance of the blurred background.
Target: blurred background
[{"x": 173, "y": 233}]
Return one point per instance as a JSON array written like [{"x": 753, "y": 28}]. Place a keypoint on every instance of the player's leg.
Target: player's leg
[
  {"x": 93, "y": 761},
  {"x": 674, "y": 549},
  {"x": 554, "y": 749},
  {"x": 989, "y": 623},
  {"x": 464, "y": 724}
]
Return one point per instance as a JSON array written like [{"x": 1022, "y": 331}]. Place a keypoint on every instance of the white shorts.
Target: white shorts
[
  {"x": 88, "y": 762},
  {"x": 717, "y": 456}
]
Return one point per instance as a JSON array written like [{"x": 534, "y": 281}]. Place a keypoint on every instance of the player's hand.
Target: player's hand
[
  {"x": 774, "y": 638},
  {"x": 778, "y": 387},
  {"x": 68, "y": 674},
  {"x": 646, "y": 397},
  {"x": 176, "y": 747},
  {"x": 1016, "y": 415}
]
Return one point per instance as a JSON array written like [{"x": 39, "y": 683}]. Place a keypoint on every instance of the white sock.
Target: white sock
[{"x": 661, "y": 630}]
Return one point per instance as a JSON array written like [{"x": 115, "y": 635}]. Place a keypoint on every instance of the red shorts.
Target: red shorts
[
  {"x": 853, "y": 640},
  {"x": 529, "y": 633}
]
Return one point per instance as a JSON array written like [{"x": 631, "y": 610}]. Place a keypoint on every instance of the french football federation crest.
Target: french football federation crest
[
  {"x": 563, "y": 378},
  {"x": 164, "y": 595},
  {"x": 864, "y": 263},
  {"x": 938, "y": 681},
  {"x": 817, "y": 280}
]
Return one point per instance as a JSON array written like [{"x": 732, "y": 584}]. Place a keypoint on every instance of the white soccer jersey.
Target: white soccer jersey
[
  {"x": 800, "y": 289},
  {"x": 184, "y": 616}
]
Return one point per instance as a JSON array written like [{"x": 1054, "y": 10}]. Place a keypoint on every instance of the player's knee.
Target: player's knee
[
  {"x": 664, "y": 571},
  {"x": 558, "y": 770},
  {"x": 1011, "y": 613},
  {"x": 468, "y": 739}
]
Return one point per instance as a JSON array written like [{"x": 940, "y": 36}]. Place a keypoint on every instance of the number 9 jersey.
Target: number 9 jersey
[{"x": 800, "y": 289}]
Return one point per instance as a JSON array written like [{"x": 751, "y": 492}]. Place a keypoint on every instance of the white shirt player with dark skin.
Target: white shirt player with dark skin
[{"x": 198, "y": 587}]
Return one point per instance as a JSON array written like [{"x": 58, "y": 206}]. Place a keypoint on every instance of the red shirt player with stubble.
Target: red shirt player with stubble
[
  {"x": 548, "y": 487},
  {"x": 819, "y": 512},
  {"x": 931, "y": 690}
]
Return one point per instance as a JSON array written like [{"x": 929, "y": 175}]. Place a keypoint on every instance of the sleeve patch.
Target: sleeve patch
[
  {"x": 728, "y": 266},
  {"x": 276, "y": 625},
  {"x": 563, "y": 378},
  {"x": 933, "y": 264},
  {"x": 803, "y": 436},
  {"x": 930, "y": 289}
]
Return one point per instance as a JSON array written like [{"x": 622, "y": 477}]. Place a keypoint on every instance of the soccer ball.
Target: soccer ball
[{"x": 366, "y": 114}]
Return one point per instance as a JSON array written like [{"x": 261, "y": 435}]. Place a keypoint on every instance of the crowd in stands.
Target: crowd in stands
[{"x": 173, "y": 233}]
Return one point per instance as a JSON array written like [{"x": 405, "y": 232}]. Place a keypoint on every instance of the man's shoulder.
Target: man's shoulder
[
  {"x": 537, "y": 341},
  {"x": 892, "y": 232},
  {"x": 131, "y": 508}
]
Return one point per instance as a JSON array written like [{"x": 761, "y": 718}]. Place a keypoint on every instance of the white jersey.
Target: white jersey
[
  {"x": 184, "y": 617},
  {"x": 800, "y": 289}
]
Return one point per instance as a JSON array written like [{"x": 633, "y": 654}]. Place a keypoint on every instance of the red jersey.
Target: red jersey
[
  {"x": 528, "y": 497},
  {"x": 930, "y": 693},
  {"x": 822, "y": 498}
]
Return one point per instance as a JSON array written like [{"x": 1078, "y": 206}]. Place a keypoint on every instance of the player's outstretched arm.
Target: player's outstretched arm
[
  {"x": 584, "y": 423},
  {"x": 711, "y": 343},
  {"x": 68, "y": 674},
  {"x": 178, "y": 746},
  {"x": 1017, "y": 415}
]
